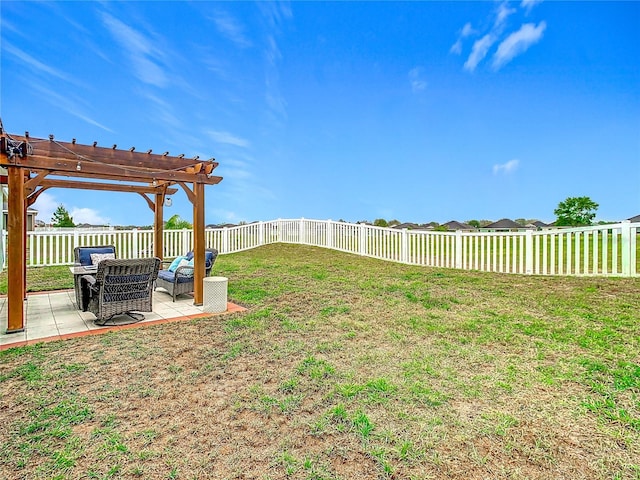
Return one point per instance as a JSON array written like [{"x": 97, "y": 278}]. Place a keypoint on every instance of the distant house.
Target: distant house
[
  {"x": 31, "y": 218},
  {"x": 537, "y": 225},
  {"x": 454, "y": 225},
  {"x": 89, "y": 226},
  {"x": 407, "y": 225},
  {"x": 504, "y": 225},
  {"x": 635, "y": 219},
  {"x": 221, "y": 225},
  {"x": 425, "y": 226}
]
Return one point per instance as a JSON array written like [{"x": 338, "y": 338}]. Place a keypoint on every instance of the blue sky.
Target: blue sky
[{"x": 416, "y": 111}]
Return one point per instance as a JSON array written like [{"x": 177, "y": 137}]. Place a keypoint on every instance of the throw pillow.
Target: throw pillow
[
  {"x": 186, "y": 263},
  {"x": 96, "y": 258},
  {"x": 174, "y": 264}
]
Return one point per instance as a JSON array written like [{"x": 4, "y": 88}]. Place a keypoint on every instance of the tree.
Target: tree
[
  {"x": 576, "y": 211},
  {"x": 473, "y": 223},
  {"x": 61, "y": 218},
  {"x": 380, "y": 222},
  {"x": 176, "y": 223}
]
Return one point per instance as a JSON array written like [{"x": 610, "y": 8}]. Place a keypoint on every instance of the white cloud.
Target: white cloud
[
  {"x": 67, "y": 104},
  {"x": 275, "y": 15},
  {"x": 479, "y": 51},
  {"x": 418, "y": 83},
  {"x": 465, "y": 32},
  {"x": 506, "y": 168},
  {"x": 228, "y": 138},
  {"x": 456, "y": 47},
  {"x": 231, "y": 29},
  {"x": 140, "y": 50},
  {"x": 46, "y": 204},
  {"x": 517, "y": 43},
  {"x": 502, "y": 14},
  {"x": 529, "y": 4},
  {"x": 227, "y": 216},
  {"x": 88, "y": 215},
  {"x": 33, "y": 63}
]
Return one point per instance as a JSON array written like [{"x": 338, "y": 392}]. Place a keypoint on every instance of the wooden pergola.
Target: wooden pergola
[{"x": 35, "y": 165}]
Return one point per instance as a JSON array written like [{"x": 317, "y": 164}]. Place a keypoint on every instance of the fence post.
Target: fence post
[
  {"x": 404, "y": 255},
  {"x": 363, "y": 239},
  {"x": 329, "y": 234},
  {"x": 528, "y": 251},
  {"x": 279, "y": 230},
  {"x": 134, "y": 243},
  {"x": 225, "y": 240},
  {"x": 186, "y": 244},
  {"x": 625, "y": 230},
  {"x": 261, "y": 233},
  {"x": 458, "y": 253},
  {"x": 302, "y": 233}
]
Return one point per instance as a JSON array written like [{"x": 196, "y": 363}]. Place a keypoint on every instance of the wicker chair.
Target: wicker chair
[
  {"x": 121, "y": 287},
  {"x": 181, "y": 281},
  {"x": 82, "y": 256}
]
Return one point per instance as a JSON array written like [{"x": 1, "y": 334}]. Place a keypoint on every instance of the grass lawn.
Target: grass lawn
[{"x": 343, "y": 368}]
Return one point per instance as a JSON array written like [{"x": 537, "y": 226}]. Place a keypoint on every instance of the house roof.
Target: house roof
[
  {"x": 634, "y": 219},
  {"x": 425, "y": 226},
  {"x": 504, "y": 223},
  {"x": 454, "y": 225},
  {"x": 407, "y": 225},
  {"x": 539, "y": 224}
]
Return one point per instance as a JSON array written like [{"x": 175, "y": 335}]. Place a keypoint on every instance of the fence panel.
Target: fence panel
[{"x": 596, "y": 250}]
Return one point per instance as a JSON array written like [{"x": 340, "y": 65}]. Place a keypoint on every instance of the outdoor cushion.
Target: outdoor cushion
[
  {"x": 168, "y": 276},
  {"x": 208, "y": 258},
  {"x": 175, "y": 263},
  {"x": 84, "y": 253},
  {"x": 96, "y": 258}
]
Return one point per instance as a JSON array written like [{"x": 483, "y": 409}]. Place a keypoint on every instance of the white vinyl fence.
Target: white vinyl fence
[{"x": 596, "y": 250}]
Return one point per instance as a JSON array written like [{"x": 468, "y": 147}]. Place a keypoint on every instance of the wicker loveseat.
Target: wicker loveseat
[
  {"x": 120, "y": 287},
  {"x": 180, "y": 280}
]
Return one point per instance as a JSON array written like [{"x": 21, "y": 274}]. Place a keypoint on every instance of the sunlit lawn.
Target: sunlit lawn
[{"x": 343, "y": 367}]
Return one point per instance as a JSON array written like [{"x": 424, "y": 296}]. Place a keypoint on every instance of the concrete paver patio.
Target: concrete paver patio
[{"x": 54, "y": 316}]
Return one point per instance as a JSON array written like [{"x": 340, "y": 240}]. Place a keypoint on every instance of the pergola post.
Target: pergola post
[
  {"x": 198, "y": 243},
  {"x": 158, "y": 226},
  {"x": 16, "y": 249}
]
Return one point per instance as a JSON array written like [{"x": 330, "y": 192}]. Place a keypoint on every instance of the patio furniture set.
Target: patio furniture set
[{"x": 107, "y": 286}]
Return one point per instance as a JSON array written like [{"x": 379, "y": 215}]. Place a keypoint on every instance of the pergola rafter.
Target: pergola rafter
[{"x": 32, "y": 162}]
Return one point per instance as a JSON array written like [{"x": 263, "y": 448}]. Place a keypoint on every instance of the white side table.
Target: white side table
[{"x": 215, "y": 294}]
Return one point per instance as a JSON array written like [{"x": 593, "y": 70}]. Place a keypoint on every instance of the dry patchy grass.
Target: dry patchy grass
[{"x": 343, "y": 368}]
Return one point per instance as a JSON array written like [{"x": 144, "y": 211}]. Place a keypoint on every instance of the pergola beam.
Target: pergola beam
[
  {"x": 139, "y": 177},
  {"x": 109, "y": 187},
  {"x": 108, "y": 156},
  {"x": 83, "y": 168}
]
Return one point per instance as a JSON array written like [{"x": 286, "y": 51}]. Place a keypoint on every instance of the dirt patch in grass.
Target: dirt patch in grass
[{"x": 343, "y": 368}]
